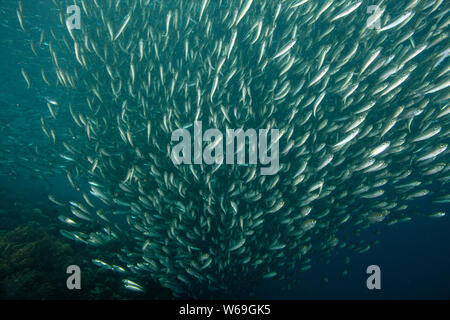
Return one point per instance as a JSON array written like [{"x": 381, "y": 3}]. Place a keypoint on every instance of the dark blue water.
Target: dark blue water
[{"x": 414, "y": 261}]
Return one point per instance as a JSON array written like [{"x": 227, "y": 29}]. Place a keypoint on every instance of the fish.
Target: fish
[
  {"x": 433, "y": 152},
  {"x": 285, "y": 49},
  {"x": 25, "y": 76},
  {"x": 244, "y": 11},
  {"x": 362, "y": 117},
  {"x": 132, "y": 286},
  {"x": 347, "y": 11},
  {"x": 397, "y": 21},
  {"x": 20, "y": 17},
  {"x": 125, "y": 22}
]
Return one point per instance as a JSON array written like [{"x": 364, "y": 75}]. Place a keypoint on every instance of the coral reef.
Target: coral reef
[
  {"x": 32, "y": 264},
  {"x": 34, "y": 258}
]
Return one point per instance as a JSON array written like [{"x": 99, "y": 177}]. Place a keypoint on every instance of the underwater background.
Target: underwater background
[{"x": 414, "y": 257}]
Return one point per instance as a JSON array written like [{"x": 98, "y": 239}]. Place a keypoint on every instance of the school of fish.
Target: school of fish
[{"x": 358, "y": 89}]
